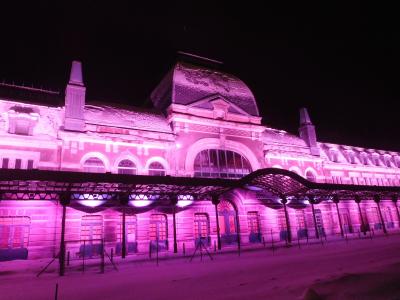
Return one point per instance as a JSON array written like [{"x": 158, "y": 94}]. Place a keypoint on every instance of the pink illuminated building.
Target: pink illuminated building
[{"x": 205, "y": 123}]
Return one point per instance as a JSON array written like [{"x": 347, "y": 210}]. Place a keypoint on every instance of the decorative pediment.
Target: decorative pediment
[{"x": 219, "y": 104}]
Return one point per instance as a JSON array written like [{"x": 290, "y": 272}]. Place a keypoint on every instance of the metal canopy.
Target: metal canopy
[
  {"x": 284, "y": 183},
  {"x": 48, "y": 185}
]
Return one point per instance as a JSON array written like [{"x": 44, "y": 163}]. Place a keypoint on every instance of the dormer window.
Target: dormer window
[
  {"x": 386, "y": 159},
  {"x": 333, "y": 155},
  {"x": 5, "y": 163},
  {"x": 364, "y": 158},
  {"x": 30, "y": 165},
  {"x": 397, "y": 161},
  {"x": 351, "y": 157},
  {"x": 375, "y": 159},
  {"x": 22, "y": 120},
  {"x": 18, "y": 163}
]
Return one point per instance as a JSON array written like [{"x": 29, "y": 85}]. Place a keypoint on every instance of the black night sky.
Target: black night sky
[{"x": 341, "y": 62}]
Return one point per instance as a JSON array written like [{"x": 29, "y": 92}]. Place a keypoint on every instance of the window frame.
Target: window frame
[{"x": 220, "y": 163}]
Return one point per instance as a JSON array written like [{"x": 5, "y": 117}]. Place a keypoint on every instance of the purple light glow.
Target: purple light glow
[
  {"x": 90, "y": 200},
  {"x": 184, "y": 200},
  {"x": 91, "y": 203},
  {"x": 140, "y": 200}
]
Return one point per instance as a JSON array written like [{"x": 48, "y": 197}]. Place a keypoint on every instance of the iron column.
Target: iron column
[{"x": 215, "y": 201}]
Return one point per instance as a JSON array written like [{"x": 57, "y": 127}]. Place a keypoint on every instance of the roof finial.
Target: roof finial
[
  {"x": 304, "y": 117},
  {"x": 307, "y": 132},
  {"x": 76, "y": 73}
]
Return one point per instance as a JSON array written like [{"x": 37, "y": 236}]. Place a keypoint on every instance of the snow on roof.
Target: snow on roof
[
  {"x": 342, "y": 148},
  {"x": 127, "y": 117},
  {"x": 281, "y": 136},
  {"x": 187, "y": 83}
]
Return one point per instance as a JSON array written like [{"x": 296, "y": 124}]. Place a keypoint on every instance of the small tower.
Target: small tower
[
  {"x": 307, "y": 132},
  {"x": 75, "y": 99}
]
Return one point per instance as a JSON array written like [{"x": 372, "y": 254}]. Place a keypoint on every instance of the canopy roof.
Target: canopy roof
[
  {"x": 49, "y": 185},
  {"x": 284, "y": 183}
]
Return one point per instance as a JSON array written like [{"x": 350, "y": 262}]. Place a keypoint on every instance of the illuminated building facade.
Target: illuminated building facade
[{"x": 205, "y": 123}]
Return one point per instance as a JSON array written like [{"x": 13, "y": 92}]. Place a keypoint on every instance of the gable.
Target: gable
[{"x": 219, "y": 104}]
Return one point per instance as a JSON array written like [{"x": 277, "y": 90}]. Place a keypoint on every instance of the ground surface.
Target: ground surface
[{"x": 359, "y": 269}]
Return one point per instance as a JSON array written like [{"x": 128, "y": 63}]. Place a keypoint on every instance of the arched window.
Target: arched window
[
  {"x": 94, "y": 165},
  {"x": 127, "y": 166},
  {"x": 310, "y": 176},
  {"x": 220, "y": 163},
  {"x": 156, "y": 169},
  {"x": 227, "y": 222}
]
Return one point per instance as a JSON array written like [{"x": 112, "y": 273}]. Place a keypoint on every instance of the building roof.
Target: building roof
[
  {"x": 281, "y": 136},
  {"x": 126, "y": 117},
  {"x": 187, "y": 83}
]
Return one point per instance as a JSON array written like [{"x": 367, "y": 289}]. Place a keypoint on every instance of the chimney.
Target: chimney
[
  {"x": 75, "y": 99},
  {"x": 307, "y": 132}
]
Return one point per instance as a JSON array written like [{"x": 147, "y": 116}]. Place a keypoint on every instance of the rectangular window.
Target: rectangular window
[
  {"x": 254, "y": 227},
  {"x": 30, "y": 164},
  {"x": 130, "y": 229},
  {"x": 375, "y": 215},
  {"x": 301, "y": 220},
  {"x": 252, "y": 218},
  {"x": 5, "y": 163},
  {"x": 201, "y": 226},
  {"x": 14, "y": 232},
  {"x": 281, "y": 220},
  {"x": 92, "y": 229},
  {"x": 158, "y": 227},
  {"x": 91, "y": 236},
  {"x": 18, "y": 163}
]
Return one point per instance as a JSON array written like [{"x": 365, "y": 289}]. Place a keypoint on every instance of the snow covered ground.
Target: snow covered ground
[{"x": 359, "y": 269}]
